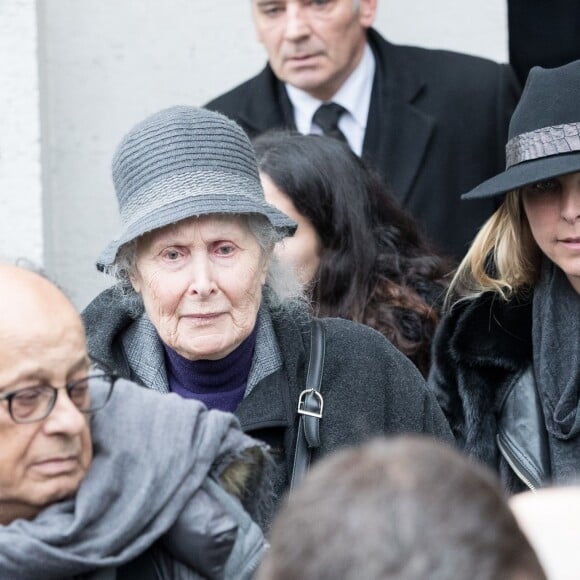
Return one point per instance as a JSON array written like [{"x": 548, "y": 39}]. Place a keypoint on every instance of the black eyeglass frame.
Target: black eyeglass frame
[{"x": 100, "y": 372}]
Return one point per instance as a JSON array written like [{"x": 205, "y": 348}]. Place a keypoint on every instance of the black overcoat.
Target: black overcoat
[{"x": 437, "y": 127}]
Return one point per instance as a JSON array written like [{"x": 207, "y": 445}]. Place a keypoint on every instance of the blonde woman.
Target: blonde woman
[{"x": 506, "y": 359}]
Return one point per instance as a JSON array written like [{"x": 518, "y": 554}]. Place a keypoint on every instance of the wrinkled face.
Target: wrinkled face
[
  {"x": 302, "y": 250},
  {"x": 201, "y": 282},
  {"x": 313, "y": 45},
  {"x": 44, "y": 461},
  {"x": 553, "y": 211}
]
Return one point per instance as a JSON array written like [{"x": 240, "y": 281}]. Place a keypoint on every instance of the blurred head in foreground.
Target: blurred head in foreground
[{"x": 404, "y": 508}]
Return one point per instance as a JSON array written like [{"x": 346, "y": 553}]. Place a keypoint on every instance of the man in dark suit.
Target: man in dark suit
[{"x": 433, "y": 122}]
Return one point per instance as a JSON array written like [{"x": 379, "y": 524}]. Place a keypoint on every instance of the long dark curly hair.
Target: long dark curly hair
[{"x": 375, "y": 266}]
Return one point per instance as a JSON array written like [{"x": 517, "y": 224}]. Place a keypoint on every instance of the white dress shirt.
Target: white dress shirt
[{"x": 354, "y": 95}]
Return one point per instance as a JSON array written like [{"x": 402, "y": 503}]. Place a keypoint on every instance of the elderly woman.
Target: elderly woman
[
  {"x": 507, "y": 356},
  {"x": 362, "y": 257},
  {"x": 202, "y": 313}
]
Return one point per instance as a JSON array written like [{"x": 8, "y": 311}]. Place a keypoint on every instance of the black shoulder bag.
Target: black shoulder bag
[{"x": 310, "y": 405}]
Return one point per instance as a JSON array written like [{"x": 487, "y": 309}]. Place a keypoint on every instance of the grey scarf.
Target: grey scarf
[
  {"x": 156, "y": 458},
  {"x": 556, "y": 347}
]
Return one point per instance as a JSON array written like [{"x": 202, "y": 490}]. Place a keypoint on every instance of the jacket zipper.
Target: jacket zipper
[
  {"x": 254, "y": 561},
  {"x": 514, "y": 468}
]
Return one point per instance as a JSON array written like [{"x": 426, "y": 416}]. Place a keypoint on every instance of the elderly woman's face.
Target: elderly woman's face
[
  {"x": 553, "y": 211},
  {"x": 201, "y": 282}
]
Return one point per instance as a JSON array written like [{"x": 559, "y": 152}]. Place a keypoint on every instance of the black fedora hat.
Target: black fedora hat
[{"x": 544, "y": 132}]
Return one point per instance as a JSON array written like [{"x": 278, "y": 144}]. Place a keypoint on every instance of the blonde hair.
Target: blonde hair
[{"x": 503, "y": 257}]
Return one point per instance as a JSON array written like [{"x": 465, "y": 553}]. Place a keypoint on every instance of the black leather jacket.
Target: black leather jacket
[
  {"x": 522, "y": 438},
  {"x": 482, "y": 376}
]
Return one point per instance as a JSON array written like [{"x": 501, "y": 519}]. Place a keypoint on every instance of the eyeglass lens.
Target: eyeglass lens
[{"x": 35, "y": 403}]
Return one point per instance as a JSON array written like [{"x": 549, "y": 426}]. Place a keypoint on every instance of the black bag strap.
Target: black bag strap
[{"x": 310, "y": 405}]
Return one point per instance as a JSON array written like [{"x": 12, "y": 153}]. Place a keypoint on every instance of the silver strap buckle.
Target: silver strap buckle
[{"x": 302, "y": 411}]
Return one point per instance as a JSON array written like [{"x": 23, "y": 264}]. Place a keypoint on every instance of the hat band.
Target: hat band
[
  {"x": 198, "y": 185},
  {"x": 543, "y": 143}
]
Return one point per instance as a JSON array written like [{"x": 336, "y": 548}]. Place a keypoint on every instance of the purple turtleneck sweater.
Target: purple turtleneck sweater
[{"x": 219, "y": 384}]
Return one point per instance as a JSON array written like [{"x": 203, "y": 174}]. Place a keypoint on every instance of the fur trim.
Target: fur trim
[
  {"x": 486, "y": 331},
  {"x": 480, "y": 346},
  {"x": 248, "y": 477}
]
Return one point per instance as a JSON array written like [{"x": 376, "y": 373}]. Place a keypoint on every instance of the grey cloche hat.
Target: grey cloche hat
[
  {"x": 544, "y": 132},
  {"x": 183, "y": 162}
]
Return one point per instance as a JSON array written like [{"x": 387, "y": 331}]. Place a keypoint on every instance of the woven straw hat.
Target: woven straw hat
[{"x": 183, "y": 162}]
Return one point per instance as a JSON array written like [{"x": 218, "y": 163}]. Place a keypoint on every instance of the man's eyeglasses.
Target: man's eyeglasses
[{"x": 35, "y": 403}]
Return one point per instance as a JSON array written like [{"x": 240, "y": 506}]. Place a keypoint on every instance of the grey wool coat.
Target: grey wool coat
[{"x": 369, "y": 387}]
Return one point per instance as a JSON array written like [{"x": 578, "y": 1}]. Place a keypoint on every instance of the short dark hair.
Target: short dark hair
[
  {"x": 406, "y": 508},
  {"x": 375, "y": 266}
]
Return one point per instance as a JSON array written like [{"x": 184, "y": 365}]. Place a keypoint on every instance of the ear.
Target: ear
[
  {"x": 367, "y": 13},
  {"x": 135, "y": 279},
  {"x": 264, "y": 271}
]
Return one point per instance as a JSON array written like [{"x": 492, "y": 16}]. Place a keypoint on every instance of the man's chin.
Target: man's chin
[
  {"x": 313, "y": 82},
  {"x": 32, "y": 501},
  {"x": 61, "y": 488}
]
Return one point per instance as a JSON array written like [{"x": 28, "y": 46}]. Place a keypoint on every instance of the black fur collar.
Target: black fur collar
[{"x": 489, "y": 332}]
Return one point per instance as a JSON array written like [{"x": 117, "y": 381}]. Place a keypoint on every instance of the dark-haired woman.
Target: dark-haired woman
[{"x": 361, "y": 255}]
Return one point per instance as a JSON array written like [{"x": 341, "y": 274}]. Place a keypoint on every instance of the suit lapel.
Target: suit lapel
[
  {"x": 398, "y": 132},
  {"x": 269, "y": 106}
]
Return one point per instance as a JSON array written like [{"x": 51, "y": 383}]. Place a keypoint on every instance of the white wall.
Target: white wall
[
  {"x": 105, "y": 64},
  {"x": 471, "y": 26},
  {"x": 21, "y": 226}
]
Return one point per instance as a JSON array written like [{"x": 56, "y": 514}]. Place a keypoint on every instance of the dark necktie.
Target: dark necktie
[{"x": 326, "y": 117}]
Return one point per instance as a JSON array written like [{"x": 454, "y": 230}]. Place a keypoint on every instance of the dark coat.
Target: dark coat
[
  {"x": 437, "y": 128},
  {"x": 532, "y": 30},
  {"x": 369, "y": 387},
  {"x": 481, "y": 347}
]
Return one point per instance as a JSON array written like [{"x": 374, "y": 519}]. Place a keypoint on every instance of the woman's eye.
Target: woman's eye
[
  {"x": 545, "y": 186},
  {"x": 225, "y": 249},
  {"x": 172, "y": 254}
]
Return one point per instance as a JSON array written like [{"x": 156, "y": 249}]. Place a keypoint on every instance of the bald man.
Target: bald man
[
  {"x": 138, "y": 490},
  {"x": 42, "y": 342}
]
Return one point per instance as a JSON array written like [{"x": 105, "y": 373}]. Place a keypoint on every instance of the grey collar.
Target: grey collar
[
  {"x": 144, "y": 352},
  {"x": 146, "y": 358}
]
